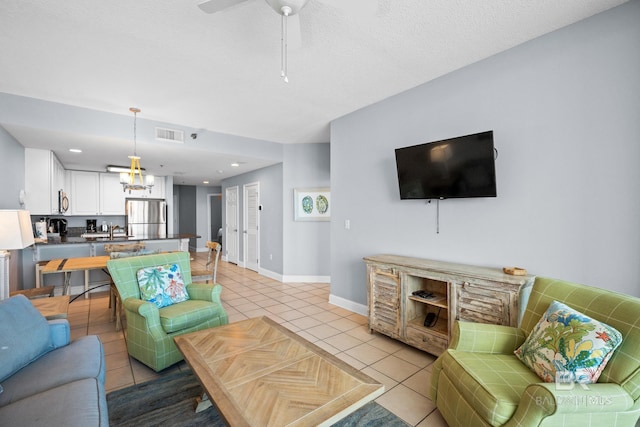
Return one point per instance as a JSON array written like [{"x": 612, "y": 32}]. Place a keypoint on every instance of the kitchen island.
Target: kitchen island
[{"x": 74, "y": 247}]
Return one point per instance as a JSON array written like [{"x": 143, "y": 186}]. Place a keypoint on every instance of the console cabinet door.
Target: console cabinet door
[
  {"x": 384, "y": 301},
  {"x": 483, "y": 304}
]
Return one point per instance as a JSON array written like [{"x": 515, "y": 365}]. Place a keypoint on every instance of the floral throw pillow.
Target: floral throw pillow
[
  {"x": 162, "y": 285},
  {"x": 568, "y": 346}
]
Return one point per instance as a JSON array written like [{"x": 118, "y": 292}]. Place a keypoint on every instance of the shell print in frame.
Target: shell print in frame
[
  {"x": 322, "y": 204},
  {"x": 307, "y": 204},
  {"x": 312, "y": 204}
]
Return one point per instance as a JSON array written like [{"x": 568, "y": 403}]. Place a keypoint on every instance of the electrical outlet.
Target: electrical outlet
[{"x": 347, "y": 224}]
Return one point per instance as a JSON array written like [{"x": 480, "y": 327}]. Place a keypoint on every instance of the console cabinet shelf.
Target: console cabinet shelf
[{"x": 458, "y": 292}]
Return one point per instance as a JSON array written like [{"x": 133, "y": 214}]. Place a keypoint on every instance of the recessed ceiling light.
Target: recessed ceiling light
[
  {"x": 75, "y": 150},
  {"x": 235, "y": 164},
  {"x": 205, "y": 182},
  {"x": 220, "y": 171}
]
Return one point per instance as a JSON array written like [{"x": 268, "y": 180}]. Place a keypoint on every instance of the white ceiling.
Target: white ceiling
[{"x": 221, "y": 72}]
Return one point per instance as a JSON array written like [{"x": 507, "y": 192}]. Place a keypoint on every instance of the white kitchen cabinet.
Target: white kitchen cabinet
[
  {"x": 85, "y": 193},
  {"x": 94, "y": 193},
  {"x": 112, "y": 197},
  {"x": 157, "y": 191},
  {"x": 44, "y": 177},
  {"x": 58, "y": 174}
]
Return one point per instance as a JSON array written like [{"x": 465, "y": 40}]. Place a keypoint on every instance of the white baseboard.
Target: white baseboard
[
  {"x": 292, "y": 279},
  {"x": 270, "y": 274},
  {"x": 349, "y": 305},
  {"x": 307, "y": 279},
  {"x": 225, "y": 259}
]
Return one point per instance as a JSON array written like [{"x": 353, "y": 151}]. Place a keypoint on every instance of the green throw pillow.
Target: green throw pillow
[
  {"x": 162, "y": 285},
  {"x": 568, "y": 346}
]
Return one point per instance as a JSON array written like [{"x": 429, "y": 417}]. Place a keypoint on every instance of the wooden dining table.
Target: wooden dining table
[{"x": 69, "y": 265}]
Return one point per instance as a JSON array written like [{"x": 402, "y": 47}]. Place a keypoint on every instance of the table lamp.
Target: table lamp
[{"x": 15, "y": 233}]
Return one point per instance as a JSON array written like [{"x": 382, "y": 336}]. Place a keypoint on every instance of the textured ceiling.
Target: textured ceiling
[{"x": 221, "y": 72}]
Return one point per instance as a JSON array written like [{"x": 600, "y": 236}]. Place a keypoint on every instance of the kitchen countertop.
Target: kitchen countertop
[{"x": 76, "y": 239}]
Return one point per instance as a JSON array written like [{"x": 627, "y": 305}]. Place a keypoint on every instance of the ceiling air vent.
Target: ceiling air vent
[{"x": 171, "y": 135}]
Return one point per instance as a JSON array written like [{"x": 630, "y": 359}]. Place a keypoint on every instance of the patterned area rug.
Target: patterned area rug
[{"x": 170, "y": 400}]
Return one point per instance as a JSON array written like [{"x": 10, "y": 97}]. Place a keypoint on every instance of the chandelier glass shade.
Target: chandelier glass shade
[{"x": 133, "y": 180}]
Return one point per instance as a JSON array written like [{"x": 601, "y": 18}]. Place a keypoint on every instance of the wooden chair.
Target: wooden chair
[
  {"x": 123, "y": 247},
  {"x": 115, "y": 303},
  {"x": 211, "y": 267}
]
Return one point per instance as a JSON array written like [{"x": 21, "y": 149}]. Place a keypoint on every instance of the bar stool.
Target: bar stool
[
  {"x": 39, "y": 278},
  {"x": 120, "y": 250},
  {"x": 210, "y": 270}
]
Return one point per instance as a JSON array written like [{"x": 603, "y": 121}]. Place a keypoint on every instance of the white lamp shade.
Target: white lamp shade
[{"x": 16, "y": 231}]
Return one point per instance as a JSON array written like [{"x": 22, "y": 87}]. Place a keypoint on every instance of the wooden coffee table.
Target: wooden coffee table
[
  {"x": 52, "y": 307},
  {"x": 258, "y": 373}
]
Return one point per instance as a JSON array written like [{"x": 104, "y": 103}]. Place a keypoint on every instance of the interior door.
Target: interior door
[
  {"x": 251, "y": 225},
  {"x": 215, "y": 218},
  {"x": 231, "y": 227}
]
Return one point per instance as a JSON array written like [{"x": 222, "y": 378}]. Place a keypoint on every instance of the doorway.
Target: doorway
[
  {"x": 214, "y": 206},
  {"x": 251, "y": 225},
  {"x": 231, "y": 242}
]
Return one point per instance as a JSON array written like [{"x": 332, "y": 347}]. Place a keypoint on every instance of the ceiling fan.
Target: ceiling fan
[
  {"x": 213, "y": 6},
  {"x": 285, "y": 8},
  {"x": 289, "y": 9}
]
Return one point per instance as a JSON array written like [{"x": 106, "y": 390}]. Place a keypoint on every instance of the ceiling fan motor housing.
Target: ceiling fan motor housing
[{"x": 294, "y": 5}]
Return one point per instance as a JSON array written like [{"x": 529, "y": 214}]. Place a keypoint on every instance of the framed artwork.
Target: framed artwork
[{"x": 311, "y": 204}]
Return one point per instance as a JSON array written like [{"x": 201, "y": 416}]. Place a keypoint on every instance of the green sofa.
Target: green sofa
[
  {"x": 479, "y": 381},
  {"x": 150, "y": 330}
]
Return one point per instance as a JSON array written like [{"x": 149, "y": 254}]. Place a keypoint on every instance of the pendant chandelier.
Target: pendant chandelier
[{"x": 128, "y": 179}]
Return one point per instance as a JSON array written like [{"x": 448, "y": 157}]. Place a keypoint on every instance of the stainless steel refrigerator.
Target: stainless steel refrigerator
[{"x": 146, "y": 218}]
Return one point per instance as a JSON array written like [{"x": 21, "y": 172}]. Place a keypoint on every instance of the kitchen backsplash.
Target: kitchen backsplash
[{"x": 76, "y": 231}]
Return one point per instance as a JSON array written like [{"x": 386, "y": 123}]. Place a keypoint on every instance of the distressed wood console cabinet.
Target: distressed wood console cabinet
[{"x": 458, "y": 292}]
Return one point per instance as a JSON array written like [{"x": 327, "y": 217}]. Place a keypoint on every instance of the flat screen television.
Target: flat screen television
[{"x": 452, "y": 168}]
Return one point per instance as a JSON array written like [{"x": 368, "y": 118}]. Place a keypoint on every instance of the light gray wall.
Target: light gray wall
[
  {"x": 187, "y": 208},
  {"x": 52, "y": 116},
  {"x": 305, "y": 243},
  {"x": 287, "y": 247},
  {"x": 202, "y": 215},
  {"x": 12, "y": 167},
  {"x": 270, "y": 179},
  {"x": 565, "y": 110}
]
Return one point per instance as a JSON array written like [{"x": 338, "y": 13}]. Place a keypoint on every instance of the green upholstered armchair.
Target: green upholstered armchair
[
  {"x": 150, "y": 330},
  {"x": 478, "y": 381}
]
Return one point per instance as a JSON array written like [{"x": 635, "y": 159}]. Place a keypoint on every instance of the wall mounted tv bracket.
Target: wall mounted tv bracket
[
  {"x": 442, "y": 198},
  {"x": 437, "y": 213}
]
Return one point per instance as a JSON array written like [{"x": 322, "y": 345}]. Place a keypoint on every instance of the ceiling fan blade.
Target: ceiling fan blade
[{"x": 214, "y": 6}]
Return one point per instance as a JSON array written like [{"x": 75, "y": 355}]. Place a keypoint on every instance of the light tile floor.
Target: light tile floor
[{"x": 304, "y": 309}]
